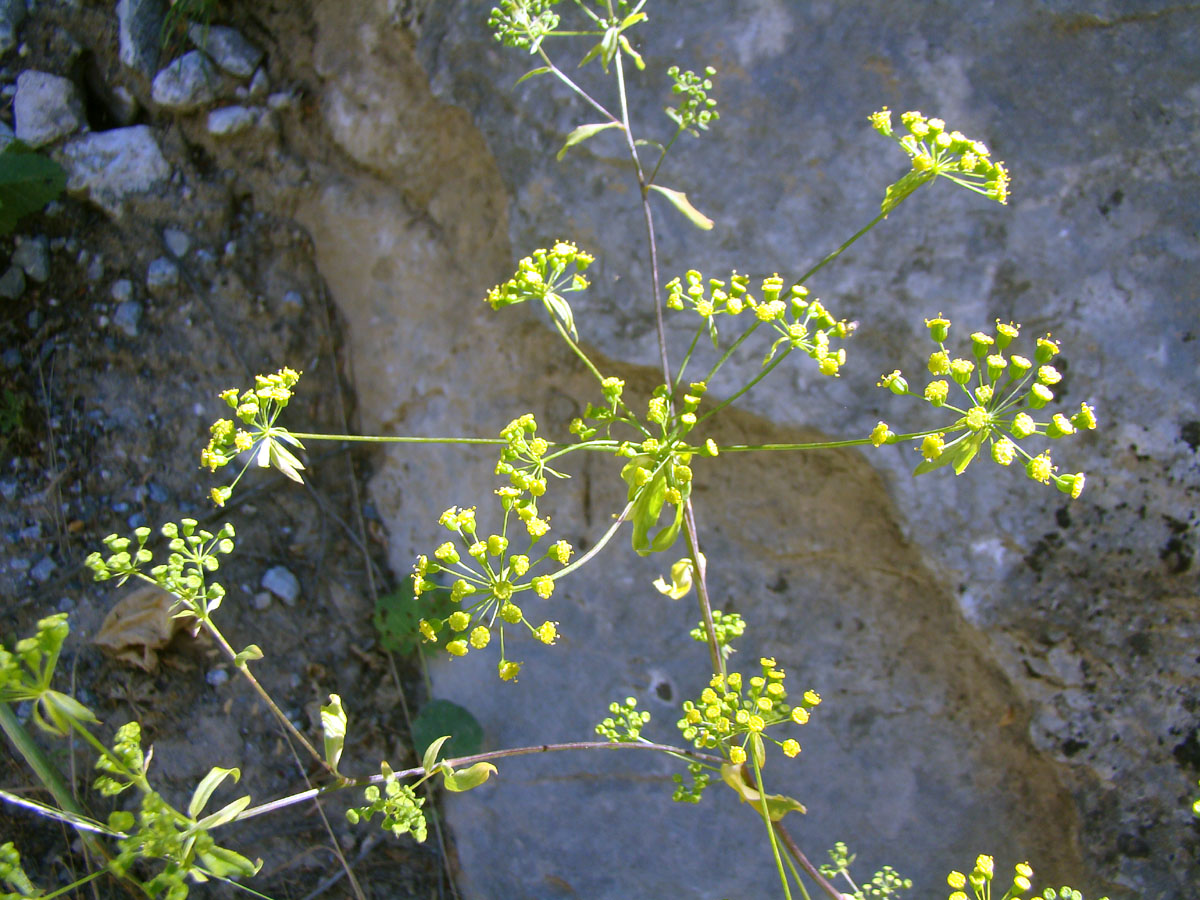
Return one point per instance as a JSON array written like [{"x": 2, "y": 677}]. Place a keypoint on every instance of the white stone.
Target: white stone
[
  {"x": 282, "y": 583},
  {"x": 109, "y": 166},
  {"x": 186, "y": 84},
  {"x": 161, "y": 276},
  {"x": 47, "y": 107},
  {"x": 33, "y": 255},
  {"x": 227, "y": 48},
  {"x": 177, "y": 242},
  {"x": 231, "y": 120}
]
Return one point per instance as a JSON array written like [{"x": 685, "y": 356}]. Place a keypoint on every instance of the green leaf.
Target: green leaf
[
  {"x": 466, "y": 779},
  {"x": 60, "y": 709},
  {"x": 283, "y": 460},
  {"x": 680, "y": 201},
  {"x": 252, "y": 652},
  {"x": 778, "y": 805},
  {"x": 966, "y": 450},
  {"x": 430, "y": 756},
  {"x": 896, "y": 193},
  {"x": 28, "y": 181},
  {"x": 633, "y": 54},
  {"x": 225, "y": 814},
  {"x": 582, "y": 133},
  {"x": 207, "y": 785},
  {"x": 558, "y": 307},
  {"x": 439, "y": 717},
  {"x": 223, "y": 863},
  {"x": 533, "y": 73},
  {"x": 333, "y": 724}
]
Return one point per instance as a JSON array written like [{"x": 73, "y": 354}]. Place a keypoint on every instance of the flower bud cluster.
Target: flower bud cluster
[
  {"x": 733, "y": 710},
  {"x": 727, "y": 626},
  {"x": 697, "y": 109},
  {"x": 397, "y": 803},
  {"x": 485, "y": 575},
  {"x": 801, "y": 323},
  {"x": 934, "y": 150},
  {"x": 1002, "y": 394},
  {"x": 980, "y": 882},
  {"x": 624, "y": 725},
  {"x": 546, "y": 275},
  {"x": 523, "y": 23}
]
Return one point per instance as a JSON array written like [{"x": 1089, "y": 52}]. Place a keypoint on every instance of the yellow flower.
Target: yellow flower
[{"x": 790, "y": 747}]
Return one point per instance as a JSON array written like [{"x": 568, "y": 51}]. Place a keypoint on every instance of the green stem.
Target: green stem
[
  {"x": 607, "y": 536},
  {"x": 663, "y": 155},
  {"x": 701, "y": 581},
  {"x": 563, "y": 77},
  {"x": 766, "y": 817},
  {"x": 212, "y": 629},
  {"x": 382, "y": 439},
  {"x": 766, "y": 370},
  {"x": 732, "y": 348},
  {"x": 687, "y": 358},
  {"x": 825, "y": 445},
  {"x": 838, "y": 252}
]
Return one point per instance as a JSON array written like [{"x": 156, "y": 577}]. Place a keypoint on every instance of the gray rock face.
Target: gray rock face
[
  {"x": 227, "y": 48},
  {"x": 186, "y": 84},
  {"x": 110, "y": 166},
  {"x": 46, "y": 108},
  {"x": 12, "y": 14},
  {"x": 1087, "y": 610},
  {"x": 139, "y": 30}
]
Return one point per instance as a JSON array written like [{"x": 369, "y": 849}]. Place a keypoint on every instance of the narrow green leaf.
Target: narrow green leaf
[
  {"x": 207, "y": 785},
  {"x": 429, "y": 759},
  {"x": 225, "y": 814},
  {"x": 633, "y": 54},
  {"x": 582, "y": 133},
  {"x": 466, "y": 779},
  {"x": 283, "y": 460},
  {"x": 223, "y": 863},
  {"x": 965, "y": 452},
  {"x": 532, "y": 73},
  {"x": 333, "y": 724},
  {"x": 680, "y": 201}
]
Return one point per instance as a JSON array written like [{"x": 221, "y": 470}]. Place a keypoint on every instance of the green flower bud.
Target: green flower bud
[
  {"x": 983, "y": 394},
  {"x": 961, "y": 369},
  {"x": 1039, "y": 395},
  {"x": 932, "y": 446},
  {"x": 981, "y": 343},
  {"x": 894, "y": 382},
  {"x": 1040, "y": 468},
  {"x": 939, "y": 363},
  {"x": 977, "y": 418},
  {"x": 1006, "y": 334},
  {"x": 1020, "y": 365},
  {"x": 996, "y": 364},
  {"x": 1085, "y": 418},
  {"x": 510, "y": 613},
  {"x": 1023, "y": 426},
  {"x": 939, "y": 328},
  {"x": 1046, "y": 349},
  {"x": 1060, "y": 426},
  {"x": 457, "y": 648},
  {"x": 1003, "y": 451},
  {"x": 1070, "y": 484},
  {"x": 936, "y": 392}
]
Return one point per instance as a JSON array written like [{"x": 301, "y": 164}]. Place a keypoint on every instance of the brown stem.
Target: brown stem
[{"x": 798, "y": 855}]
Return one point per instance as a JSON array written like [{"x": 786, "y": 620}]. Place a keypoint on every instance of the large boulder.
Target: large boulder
[{"x": 1004, "y": 670}]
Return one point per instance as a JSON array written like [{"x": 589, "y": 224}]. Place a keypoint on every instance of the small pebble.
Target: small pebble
[
  {"x": 177, "y": 242},
  {"x": 216, "y": 677},
  {"x": 283, "y": 584},
  {"x": 127, "y": 316},
  {"x": 262, "y": 600},
  {"x": 121, "y": 290},
  {"x": 12, "y": 283},
  {"x": 43, "y": 570}
]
